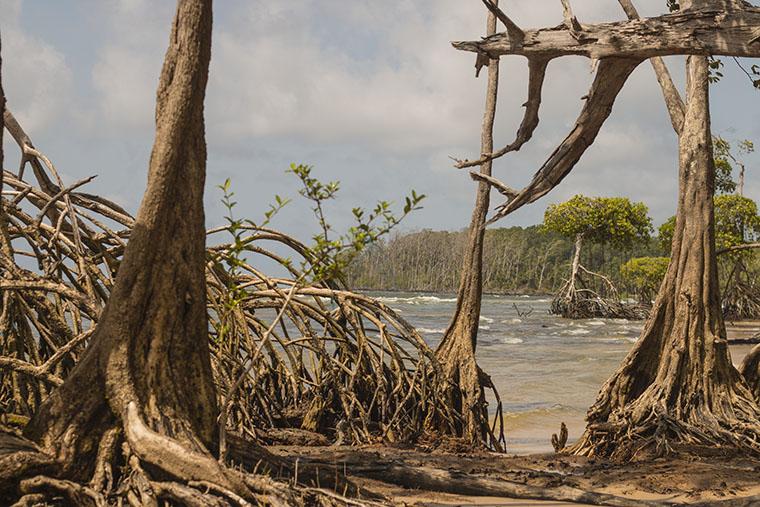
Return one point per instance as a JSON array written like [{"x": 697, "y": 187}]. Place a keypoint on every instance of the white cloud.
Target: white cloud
[
  {"x": 125, "y": 74},
  {"x": 371, "y": 92},
  {"x": 36, "y": 78}
]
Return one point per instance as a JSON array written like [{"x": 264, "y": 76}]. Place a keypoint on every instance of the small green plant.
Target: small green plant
[
  {"x": 233, "y": 256},
  {"x": 331, "y": 254},
  {"x": 325, "y": 260}
]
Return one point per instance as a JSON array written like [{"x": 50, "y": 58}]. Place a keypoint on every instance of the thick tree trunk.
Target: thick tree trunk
[
  {"x": 457, "y": 349},
  {"x": 750, "y": 370},
  {"x": 2, "y": 122},
  {"x": 678, "y": 385},
  {"x": 147, "y": 372}
]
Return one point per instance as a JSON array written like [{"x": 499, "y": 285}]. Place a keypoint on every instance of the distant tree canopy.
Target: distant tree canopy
[
  {"x": 644, "y": 275},
  {"x": 725, "y": 160},
  {"x": 604, "y": 220},
  {"x": 736, "y": 222}
]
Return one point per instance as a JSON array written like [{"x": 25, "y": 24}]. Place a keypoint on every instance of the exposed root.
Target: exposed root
[
  {"x": 336, "y": 357},
  {"x": 578, "y": 300},
  {"x": 172, "y": 473},
  {"x": 741, "y": 300},
  {"x": 662, "y": 435}
]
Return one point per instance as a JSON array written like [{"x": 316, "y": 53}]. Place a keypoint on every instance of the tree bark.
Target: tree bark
[
  {"x": 147, "y": 372},
  {"x": 678, "y": 386},
  {"x": 699, "y": 31},
  {"x": 456, "y": 352},
  {"x": 576, "y": 265},
  {"x": 750, "y": 370},
  {"x": 2, "y": 123}
]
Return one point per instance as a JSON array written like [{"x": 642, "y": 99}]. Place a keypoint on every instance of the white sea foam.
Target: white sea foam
[
  {"x": 577, "y": 332},
  {"x": 484, "y": 328},
  {"x": 511, "y": 321},
  {"x": 597, "y": 323},
  {"x": 426, "y": 330},
  {"x": 487, "y": 320},
  {"x": 511, "y": 340},
  {"x": 416, "y": 300}
]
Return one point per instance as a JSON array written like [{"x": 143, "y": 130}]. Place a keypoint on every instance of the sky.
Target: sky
[{"x": 369, "y": 92}]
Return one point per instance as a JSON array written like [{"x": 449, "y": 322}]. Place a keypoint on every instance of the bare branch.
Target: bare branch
[
  {"x": 691, "y": 32},
  {"x": 515, "y": 32},
  {"x": 537, "y": 73},
  {"x": 503, "y": 189},
  {"x": 570, "y": 20},
  {"x": 738, "y": 248},
  {"x": 673, "y": 99},
  {"x": 610, "y": 78}
]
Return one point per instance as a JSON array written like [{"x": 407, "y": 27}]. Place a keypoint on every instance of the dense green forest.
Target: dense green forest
[{"x": 516, "y": 259}]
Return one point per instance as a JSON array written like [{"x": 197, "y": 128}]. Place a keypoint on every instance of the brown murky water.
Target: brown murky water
[{"x": 548, "y": 370}]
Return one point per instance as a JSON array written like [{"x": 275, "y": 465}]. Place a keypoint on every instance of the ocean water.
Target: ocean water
[{"x": 547, "y": 369}]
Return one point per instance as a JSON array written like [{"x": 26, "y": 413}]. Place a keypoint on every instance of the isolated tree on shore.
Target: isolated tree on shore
[
  {"x": 725, "y": 159},
  {"x": 737, "y": 224},
  {"x": 678, "y": 385},
  {"x": 600, "y": 220}
]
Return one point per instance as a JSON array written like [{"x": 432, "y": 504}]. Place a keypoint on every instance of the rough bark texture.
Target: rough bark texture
[
  {"x": 750, "y": 370},
  {"x": 149, "y": 355},
  {"x": 457, "y": 349},
  {"x": 703, "y": 30},
  {"x": 2, "y": 122},
  {"x": 678, "y": 385}
]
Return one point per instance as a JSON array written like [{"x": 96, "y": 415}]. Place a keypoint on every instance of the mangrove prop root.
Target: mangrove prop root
[
  {"x": 577, "y": 299},
  {"x": 336, "y": 357}
]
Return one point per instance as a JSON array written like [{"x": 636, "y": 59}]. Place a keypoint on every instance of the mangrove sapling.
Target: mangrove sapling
[
  {"x": 322, "y": 263},
  {"x": 601, "y": 220}
]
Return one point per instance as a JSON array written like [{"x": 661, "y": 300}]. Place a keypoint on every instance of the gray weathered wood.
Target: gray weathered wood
[{"x": 707, "y": 31}]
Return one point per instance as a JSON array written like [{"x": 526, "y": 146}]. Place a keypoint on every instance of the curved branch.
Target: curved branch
[
  {"x": 673, "y": 99},
  {"x": 738, "y": 248},
  {"x": 537, "y": 73},
  {"x": 609, "y": 80},
  {"x": 515, "y": 32}
]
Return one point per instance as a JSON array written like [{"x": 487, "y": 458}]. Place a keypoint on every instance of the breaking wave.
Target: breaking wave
[{"x": 415, "y": 300}]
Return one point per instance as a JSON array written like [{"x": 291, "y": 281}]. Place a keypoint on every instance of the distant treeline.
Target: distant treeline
[{"x": 516, "y": 259}]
